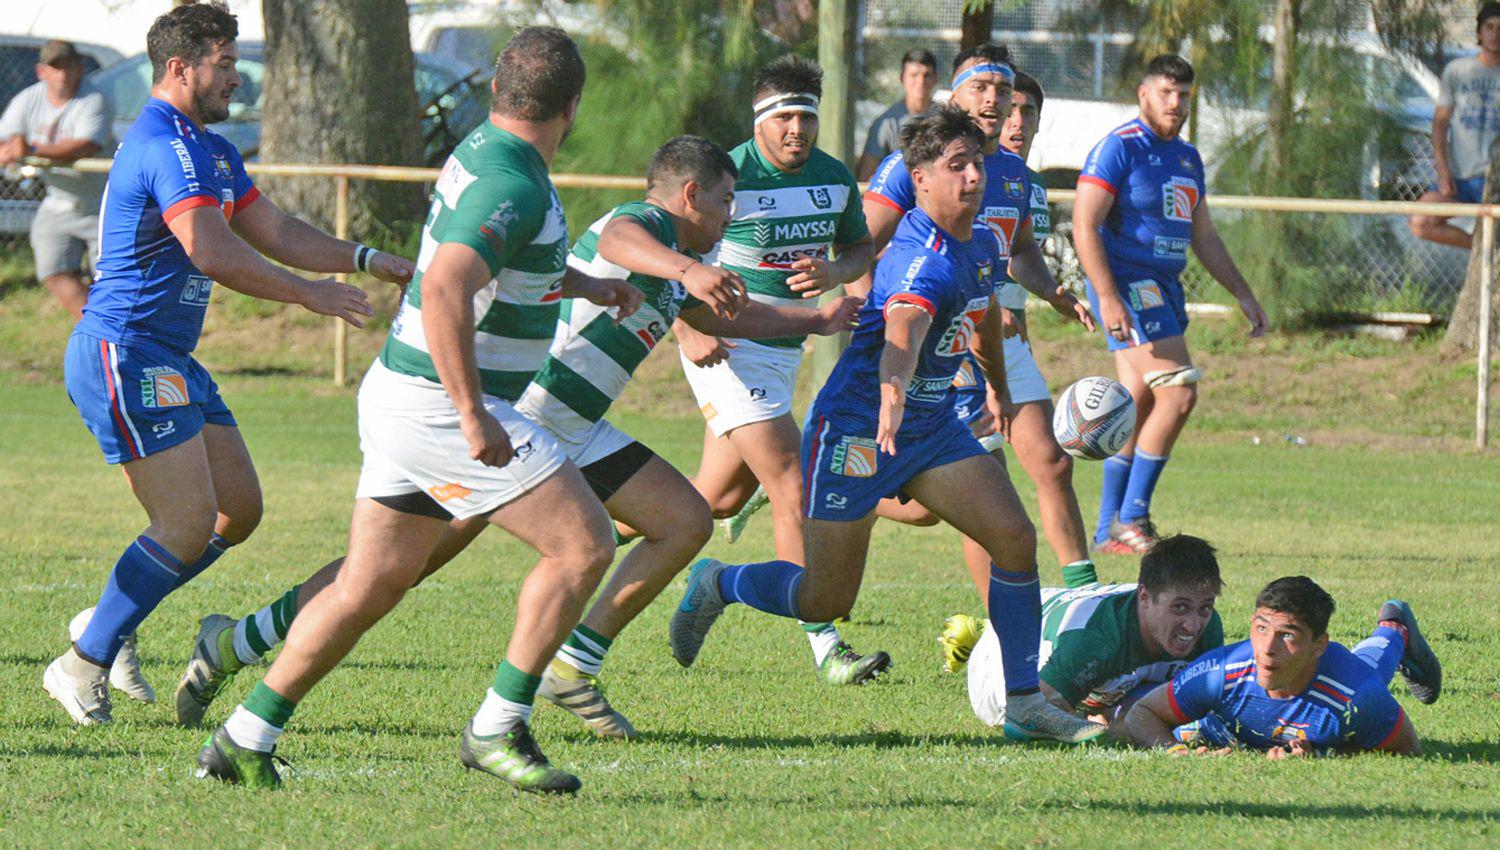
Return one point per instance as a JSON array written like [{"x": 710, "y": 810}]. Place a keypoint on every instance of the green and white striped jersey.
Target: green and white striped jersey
[
  {"x": 1012, "y": 295},
  {"x": 780, "y": 217},
  {"x": 494, "y": 196},
  {"x": 592, "y": 357}
]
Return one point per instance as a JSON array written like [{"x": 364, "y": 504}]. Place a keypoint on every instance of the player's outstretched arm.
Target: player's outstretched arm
[
  {"x": 1028, "y": 268},
  {"x": 767, "y": 321},
  {"x": 625, "y": 242},
  {"x": 1090, "y": 207},
  {"x": 604, "y": 291},
  {"x": 1150, "y": 722},
  {"x": 1215, "y": 257},
  {"x": 217, "y": 252},
  {"x": 906, "y": 326},
  {"x": 293, "y": 242}
]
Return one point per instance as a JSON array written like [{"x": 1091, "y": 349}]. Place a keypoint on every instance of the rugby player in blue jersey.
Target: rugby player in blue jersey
[
  {"x": 180, "y": 213},
  {"x": 1289, "y": 690},
  {"x": 1142, "y": 202},
  {"x": 885, "y": 423}
]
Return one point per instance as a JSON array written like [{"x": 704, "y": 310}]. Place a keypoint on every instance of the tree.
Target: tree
[
  {"x": 1283, "y": 69},
  {"x": 978, "y": 23},
  {"x": 1463, "y": 328},
  {"x": 339, "y": 89}
]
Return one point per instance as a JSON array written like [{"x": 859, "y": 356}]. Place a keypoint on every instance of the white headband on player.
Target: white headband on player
[{"x": 798, "y": 102}]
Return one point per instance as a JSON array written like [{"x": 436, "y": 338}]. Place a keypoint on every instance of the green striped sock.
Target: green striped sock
[
  {"x": 257, "y": 634},
  {"x": 269, "y": 706},
  {"x": 514, "y": 684},
  {"x": 824, "y": 638},
  {"x": 584, "y": 650}
]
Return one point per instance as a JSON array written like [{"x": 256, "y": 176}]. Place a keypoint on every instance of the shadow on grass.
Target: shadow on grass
[
  {"x": 1269, "y": 811},
  {"x": 877, "y": 740},
  {"x": 1482, "y": 752}
]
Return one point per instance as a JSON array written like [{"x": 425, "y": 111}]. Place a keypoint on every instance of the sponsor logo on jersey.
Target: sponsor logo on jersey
[
  {"x": 821, "y": 197},
  {"x": 799, "y": 230},
  {"x": 496, "y": 228},
  {"x": 783, "y": 260},
  {"x": 757, "y": 394},
  {"x": 525, "y": 450},
  {"x": 651, "y": 333},
  {"x": 1172, "y": 247},
  {"x": 1153, "y": 327},
  {"x": 835, "y": 502},
  {"x": 196, "y": 290},
  {"x": 955, "y": 339},
  {"x": 708, "y": 412},
  {"x": 1038, "y": 195},
  {"x": 766, "y": 202},
  {"x": 854, "y": 457},
  {"x": 1153, "y": 159},
  {"x": 1145, "y": 294},
  {"x": 163, "y": 386},
  {"x": 1179, "y": 198},
  {"x": 965, "y": 377},
  {"x": 1013, "y": 188},
  {"x": 222, "y": 166},
  {"x": 164, "y": 429},
  {"x": 928, "y": 389},
  {"x": 448, "y": 492},
  {"x": 1004, "y": 221}
]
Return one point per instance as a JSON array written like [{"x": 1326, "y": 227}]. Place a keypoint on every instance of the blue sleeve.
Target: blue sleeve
[
  {"x": 1107, "y": 164},
  {"x": 1374, "y": 715},
  {"x": 1202, "y": 175},
  {"x": 170, "y": 170},
  {"x": 243, "y": 186},
  {"x": 925, "y": 283},
  {"x": 892, "y": 184},
  {"x": 1195, "y": 690}
]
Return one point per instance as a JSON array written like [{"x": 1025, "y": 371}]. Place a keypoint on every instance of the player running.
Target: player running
[
  {"x": 651, "y": 245},
  {"x": 884, "y": 423},
  {"x": 1104, "y": 645},
  {"x": 1015, "y": 207},
  {"x": 793, "y": 205},
  {"x": 179, "y": 213},
  {"x": 1142, "y": 202},
  {"x": 1289, "y": 690}
]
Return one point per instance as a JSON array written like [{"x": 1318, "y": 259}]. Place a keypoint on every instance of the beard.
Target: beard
[{"x": 210, "y": 109}]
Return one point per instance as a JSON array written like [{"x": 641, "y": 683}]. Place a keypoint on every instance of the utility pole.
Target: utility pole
[{"x": 837, "y": 43}]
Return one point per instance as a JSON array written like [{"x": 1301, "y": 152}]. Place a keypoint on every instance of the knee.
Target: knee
[
  {"x": 588, "y": 558},
  {"x": 1048, "y": 465},
  {"x": 367, "y": 602},
  {"x": 187, "y": 532},
  {"x": 243, "y": 516},
  {"x": 695, "y": 526},
  {"x": 1013, "y": 531}
]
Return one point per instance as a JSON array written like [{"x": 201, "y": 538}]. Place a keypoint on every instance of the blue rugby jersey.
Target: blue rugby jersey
[
  {"x": 145, "y": 287},
  {"x": 1157, "y": 184}
]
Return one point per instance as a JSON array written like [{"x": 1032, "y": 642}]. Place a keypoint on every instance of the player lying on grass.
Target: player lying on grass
[
  {"x": 652, "y": 245},
  {"x": 1104, "y": 645},
  {"x": 885, "y": 423},
  {"x": 1289, "y": 690}
]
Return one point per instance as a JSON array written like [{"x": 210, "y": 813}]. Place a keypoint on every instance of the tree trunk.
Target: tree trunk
[
  {"x": 978, "y": 23},
  {"x": 339, "y": 89},
  {"x": 1463, "y": 328},
  {"x": 1283, "y": 65}
]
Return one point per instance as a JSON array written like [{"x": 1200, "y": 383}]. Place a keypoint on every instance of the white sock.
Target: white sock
[
  {"x": 249, "y": 731},
  {"x": 79, "y": 667},
  {"x": 823, "y": 642},
  {"x": 497, "y": 714}
]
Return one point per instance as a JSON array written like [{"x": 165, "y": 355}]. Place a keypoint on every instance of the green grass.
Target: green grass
[{"x": 746, "y": 748}]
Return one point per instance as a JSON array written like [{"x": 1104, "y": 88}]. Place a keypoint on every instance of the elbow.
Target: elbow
[{"x": 210, "y": 262}]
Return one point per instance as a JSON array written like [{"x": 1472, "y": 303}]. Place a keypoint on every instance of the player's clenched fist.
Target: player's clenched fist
[
  {"x": 721, "y": 289},
  {"x": 328, "y": 297},
  {"x": 488, "y": 442}
]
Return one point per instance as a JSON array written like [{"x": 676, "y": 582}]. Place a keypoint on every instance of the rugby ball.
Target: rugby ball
[{"x": 1094, "y": 418}]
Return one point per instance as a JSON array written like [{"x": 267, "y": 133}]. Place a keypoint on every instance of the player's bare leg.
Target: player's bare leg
[
  {"x": 71, "y": 289},
  {"x": 1162, "y": 410},
  {"x": 1052, "y": 469},
  {"x": 909, "y": 513},
  {"x": 1436, "y": 228},
  {"x": 836, "y": 556},
  {"x": 723, "y": 478}
]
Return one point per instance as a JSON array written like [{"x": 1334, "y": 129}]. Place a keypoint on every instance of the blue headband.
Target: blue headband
[{"x": 986, "y": 68}]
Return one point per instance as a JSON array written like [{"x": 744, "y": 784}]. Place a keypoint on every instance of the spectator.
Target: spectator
[
  {"x": 918, "y": 79},
  {"x": 1463, "y": 125},
  {"x": 61, "y": 118}
]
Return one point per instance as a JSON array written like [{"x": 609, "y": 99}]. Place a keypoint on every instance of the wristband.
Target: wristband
[{"x": 362, "y": 256}]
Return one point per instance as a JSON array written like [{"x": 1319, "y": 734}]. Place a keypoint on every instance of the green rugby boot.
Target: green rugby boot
[
  {"x": 1032, "y": 718},
  {"x": 959, "y": 637},
  {"x": 1419, "y": 664},
  {"x": 222, "y": 759},
  {"x": 211, "y": 667},
  {"x": 844, "y": 666},
  {"x": 513, "y": 755},
  {"x": 580, "y": 695},
  {"x": 735, "y": 526}
]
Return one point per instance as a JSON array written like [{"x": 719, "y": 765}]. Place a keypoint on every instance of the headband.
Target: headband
[
  {"x": 986, "y": 68},
  {"x": 801, "y": 102}
]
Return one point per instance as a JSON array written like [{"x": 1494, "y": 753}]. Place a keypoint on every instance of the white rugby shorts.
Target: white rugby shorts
[
  {"x": 755, "y": 384},
  {"x": 411, "y": 438},
  {"x": 987, "y": 678},
  {"x": 1023, "y": 378}
]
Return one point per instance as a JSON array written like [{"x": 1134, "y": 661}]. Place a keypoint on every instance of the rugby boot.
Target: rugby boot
[
  {"x": 701, "y": 605},
  {"x": 513, "y": 755},
  {"x": 580, "y": 694},
  {"x": 222, "y": 759},
  {"x": 843, "y": 666},
  {"x": 1109, "y": 546},
  {"x": 1032, "y": 718},
  {"x": 1419, "y": 664},
  {"x": 209, "y": 669},
  {"x": 1138, "y": 534},
  {"x": 79, "y": 687},
  {"x": 735, "y": 526},
  {"x": 125, "y": 674},
  {"x": 959, "y": 637}
]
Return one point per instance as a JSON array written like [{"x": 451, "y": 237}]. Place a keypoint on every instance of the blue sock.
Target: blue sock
[
  {"x": 216, "y": 547},
  {"x": 1116, "y": 476},
  {"x": 770, "y": 586},
  {"x": 1016, "y": 613},
  {"x": 1144, "y": 473},
  {"x": 141, "y": 579},
  {"x": 1382, "y": 650}
]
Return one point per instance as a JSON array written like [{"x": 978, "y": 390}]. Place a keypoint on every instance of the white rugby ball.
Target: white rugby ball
[{"x": 1094, "y": 418}]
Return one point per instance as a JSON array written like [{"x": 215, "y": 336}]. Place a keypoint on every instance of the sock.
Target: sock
[
  {"x": 216, "y": 547},
  {"x": 257, "y": 634},
  {"x": 770, "y": 586},
  {"x": 582, "y": 652},
  {"x": 78, "y": 667},
  {"x": 1016, "y": 613},
  {"x": 1079, "y": 573},
  {"x": 823, "y": 637},
  {"x": 1383, "y": 649},
  {"x": 141, "y": 579},
  {"x": 258, "y": 721},
  {"x": 1144, "y": 473},
  {"x": 1116, "y": 477},
  {"x": 508, "y": 699}
]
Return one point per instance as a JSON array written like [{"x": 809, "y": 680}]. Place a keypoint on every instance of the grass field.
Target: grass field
[{"x": 748, "y": 748}]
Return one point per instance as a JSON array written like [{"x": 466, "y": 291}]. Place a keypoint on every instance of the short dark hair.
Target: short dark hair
[
  {"x": 1028, "y": 85},
  {"x": 1487, "y": 11},
  {"x": 996, "y": 53},
  {"x": 189, "y": 33},
  {"x": 538, "y": 74},
  {"x": 1180, "y": 561},
  {"x": 789, "y": 74},
  {"x": 685, "y": 158},
  {"x": 924, "y": 139},
  {"x": 1300, "y": 597},
  {"x": 1171, "y": 66},
  {"x": 919, "y": 56}
]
